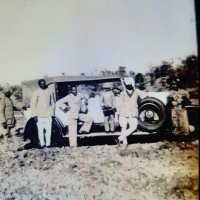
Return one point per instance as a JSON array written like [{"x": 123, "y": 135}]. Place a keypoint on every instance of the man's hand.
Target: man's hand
[
  {"x": 68, "y": 108},
  {"x": 114, "y": 109},
  {"x": 35, "y": 119},
  {"x": 137, "y": 84},
  {"x": 106, "y": 107},
  {"x": 24, "y": 108},
  {"x": 86, "y": 102},
  {"x": 170, "y": 99},
  {"x": 92, "y": 95},
  {"x": 4, "y": 124},
  {"x": 174, "y": 103},
  {"x": 179, "y": 100}
]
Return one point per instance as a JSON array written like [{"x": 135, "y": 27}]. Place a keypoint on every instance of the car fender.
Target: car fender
[{"x": 162, "y": 96}]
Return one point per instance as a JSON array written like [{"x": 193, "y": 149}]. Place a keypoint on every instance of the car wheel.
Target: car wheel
[
  {"x": 56, "y": 132},
  {"x": 152, "y": 114},
  {"x": 31, "y": 132}
]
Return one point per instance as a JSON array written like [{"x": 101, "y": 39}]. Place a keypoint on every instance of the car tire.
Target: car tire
[
  {"x": 153, "y": 108},
  {"x": 31, "y": 132},
  {"x": 56, "y": 132}
]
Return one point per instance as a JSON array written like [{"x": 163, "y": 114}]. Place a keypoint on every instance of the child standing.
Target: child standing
[{"x": 108, "y": 105}]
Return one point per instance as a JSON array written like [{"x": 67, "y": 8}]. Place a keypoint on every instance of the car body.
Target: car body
[{"x": 152, "y": 113}]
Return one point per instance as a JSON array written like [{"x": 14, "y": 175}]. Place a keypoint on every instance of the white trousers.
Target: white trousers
[
  {"x": 72, "y": 126},
  {"x": 123, "y": 121},
  {"x": 44, "y": 123}
]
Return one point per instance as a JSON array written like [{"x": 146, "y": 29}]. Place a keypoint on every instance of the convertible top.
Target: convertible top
[
  {"x": 30, "y": 86},
  {"x": 71, "y": 79}
]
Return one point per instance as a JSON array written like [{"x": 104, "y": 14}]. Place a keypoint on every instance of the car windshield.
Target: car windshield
[{"x": 94, "y": 87}]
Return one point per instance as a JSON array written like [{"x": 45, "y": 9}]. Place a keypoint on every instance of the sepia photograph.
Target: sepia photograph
[{"x": 99, "y": 100}]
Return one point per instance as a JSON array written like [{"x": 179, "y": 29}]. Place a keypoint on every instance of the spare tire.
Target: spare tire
[{"x": 152, "y": 114}]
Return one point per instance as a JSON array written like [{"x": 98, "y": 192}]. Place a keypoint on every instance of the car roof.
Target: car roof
[
  {"x": 30, "y": 86},
  {"x": 58, "y": 79}
]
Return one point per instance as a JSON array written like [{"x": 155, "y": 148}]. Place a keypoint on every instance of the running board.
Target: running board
[{"x": 106, "y": 134}]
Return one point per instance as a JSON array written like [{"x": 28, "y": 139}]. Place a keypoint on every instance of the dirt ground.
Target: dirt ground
[
  {"x": 146, "y": 169},
  {"x": 157, "y": 170}
]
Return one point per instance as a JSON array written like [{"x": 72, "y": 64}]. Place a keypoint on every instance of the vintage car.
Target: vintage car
[{"x": 152, "y": 109}]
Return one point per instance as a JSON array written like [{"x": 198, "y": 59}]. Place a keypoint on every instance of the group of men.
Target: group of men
[{"x": 43, "y": 108}]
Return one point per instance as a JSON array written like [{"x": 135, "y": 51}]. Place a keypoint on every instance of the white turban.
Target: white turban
[
  {"x": 6, "y": 89},
  {"x": 129, "y": 80}
]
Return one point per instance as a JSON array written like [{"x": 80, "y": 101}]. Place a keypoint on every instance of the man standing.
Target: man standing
[
  {"x": 73, "y": 100},
  {"x": 108, "y": 105},
  {"x": 42, "y": 109},
  {"x": 7, "y": 120},
  {"x": 128, "y": 109},
  {"x": 176, "y": 101}
]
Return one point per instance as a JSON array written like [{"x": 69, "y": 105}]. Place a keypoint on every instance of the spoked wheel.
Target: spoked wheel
[{"x": 152, "y": 114}]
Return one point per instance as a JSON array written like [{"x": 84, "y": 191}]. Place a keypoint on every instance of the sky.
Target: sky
[{"x": 51, "y": 37}]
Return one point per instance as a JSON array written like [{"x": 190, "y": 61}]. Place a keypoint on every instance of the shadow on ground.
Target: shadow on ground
[{"x": 109, "y": 140}]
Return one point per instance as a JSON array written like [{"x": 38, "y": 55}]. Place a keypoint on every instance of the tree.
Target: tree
[
  {"x": 107, "y": 73},
  {"x": 139, "y": 81},
  {"x": 188, "y": 71},
  {"x": 122, "y": 71},
  {"x": 157, "y": 72},
  {"x": 102, "y": 73},
  {"x": 17, "y": 92},
  {"x": 131, "y": 73}
]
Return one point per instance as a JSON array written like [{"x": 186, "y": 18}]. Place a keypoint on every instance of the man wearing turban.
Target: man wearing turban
[
  {"x": 7, "y": 120},
  {"x": 128, "y": 109}
]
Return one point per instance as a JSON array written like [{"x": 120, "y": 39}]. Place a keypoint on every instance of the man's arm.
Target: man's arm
[
  {"x": 2, "y": 111},
  {"x": 52, "y": 102},
  {"x": 102, "y": 101},
  {"x": 62, "y": 102},
  {"x": 185, "y": 99},
  {"x": 186, "y": 94},
  {"x": 114, "y": 101},
  {"x": 120, "y": 101},
  {"x": 83, "y": 96},
  {"x": 142, "y": 94},
  {"x": 33, "y": 104},
  {"x": 17, "y": 108}
]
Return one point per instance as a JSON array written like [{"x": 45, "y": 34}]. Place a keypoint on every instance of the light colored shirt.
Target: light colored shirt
[
  {"x": 128, "y": 103},
  {"x": 42, "y": 103},
  {"x": 107, "y": 99},
  {"x": 74, "y": 102}
]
